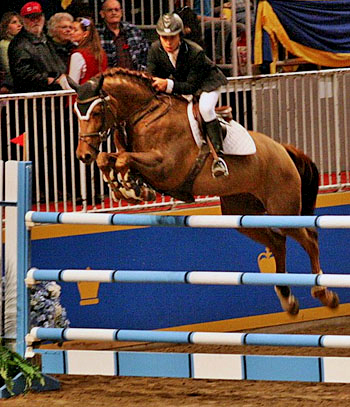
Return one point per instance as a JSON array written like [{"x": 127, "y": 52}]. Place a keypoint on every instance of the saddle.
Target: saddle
[
  {"x": 222, "y": 112},
  {"x": 184, "y": 191}
]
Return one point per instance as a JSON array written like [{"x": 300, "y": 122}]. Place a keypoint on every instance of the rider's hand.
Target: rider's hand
[
  {"x": 63, "y": 82},
  {"x": 160, "y": 84}
]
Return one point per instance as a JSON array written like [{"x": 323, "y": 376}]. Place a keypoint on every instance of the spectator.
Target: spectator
[
  {"x": 89, "y": 58},
  {"x": 10, "y": 26},
  {"x": 34, "y": 64},
  {"x": 60, "y": 30},
  {"x": 123, "y": 42}
]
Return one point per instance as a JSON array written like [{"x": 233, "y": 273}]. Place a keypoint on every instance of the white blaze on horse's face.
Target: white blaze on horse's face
[{"x": 89, "y": 138}]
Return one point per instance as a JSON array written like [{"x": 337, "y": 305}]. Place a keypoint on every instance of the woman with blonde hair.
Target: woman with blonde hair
[{"x": 88, "y": 58}]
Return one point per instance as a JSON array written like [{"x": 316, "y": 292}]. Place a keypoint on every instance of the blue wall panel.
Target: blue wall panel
[{"x": 151, "y": 306}]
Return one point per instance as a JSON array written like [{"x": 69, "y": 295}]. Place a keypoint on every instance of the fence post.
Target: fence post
[{"x": 17, "y": 252}]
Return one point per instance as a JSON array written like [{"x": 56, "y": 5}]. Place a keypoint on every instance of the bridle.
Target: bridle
[{"x": 103, "y": 134}]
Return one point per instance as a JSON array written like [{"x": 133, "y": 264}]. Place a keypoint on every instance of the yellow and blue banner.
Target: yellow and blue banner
[
  {"x": 66, "y": 3},
  {"x": 315, "y": 30}
]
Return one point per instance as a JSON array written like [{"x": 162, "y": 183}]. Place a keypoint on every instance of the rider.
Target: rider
[{"x": 181, "y": 67}]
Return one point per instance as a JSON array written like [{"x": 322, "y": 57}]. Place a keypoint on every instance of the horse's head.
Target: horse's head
[{"x": 95, "y": 124}]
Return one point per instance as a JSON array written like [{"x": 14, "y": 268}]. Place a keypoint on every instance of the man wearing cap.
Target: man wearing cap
[{"x": 34, "y": 64}]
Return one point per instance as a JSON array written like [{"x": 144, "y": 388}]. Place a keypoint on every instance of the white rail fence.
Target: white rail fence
[{"x": 307, "y": 109}]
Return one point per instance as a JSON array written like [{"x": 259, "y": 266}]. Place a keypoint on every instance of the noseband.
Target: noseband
[{"x": 103, "y": 134}]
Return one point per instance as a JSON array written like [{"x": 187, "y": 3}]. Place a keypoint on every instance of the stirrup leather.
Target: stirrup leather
[{"x": 219, "y": 168}]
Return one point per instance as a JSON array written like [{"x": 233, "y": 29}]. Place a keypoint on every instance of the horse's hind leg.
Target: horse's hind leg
[
  {"x": 308, "y": 239},
  {"x": 275, "y": 241}
]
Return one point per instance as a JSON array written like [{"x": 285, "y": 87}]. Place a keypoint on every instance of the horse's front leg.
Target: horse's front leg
[
  {"x": 143, "y": 161},
  {"x": 106, "y": 164},
  {"x": 123, "y": 183},
  {"x": 122, "y": 161}
]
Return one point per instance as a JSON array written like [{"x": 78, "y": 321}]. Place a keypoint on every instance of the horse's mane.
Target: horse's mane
[
  {"x": 134, "y": 76},
  {"x": 138, "y": 77}
]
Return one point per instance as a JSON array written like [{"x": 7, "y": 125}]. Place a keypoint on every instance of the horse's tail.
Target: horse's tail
[{"x": 309, "y": 178}]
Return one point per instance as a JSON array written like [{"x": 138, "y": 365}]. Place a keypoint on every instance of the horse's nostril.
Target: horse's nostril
[{"x": 87, "y": 157}]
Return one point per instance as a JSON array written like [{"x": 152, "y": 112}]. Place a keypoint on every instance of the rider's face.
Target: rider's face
[{"x": 170, "y": 43}]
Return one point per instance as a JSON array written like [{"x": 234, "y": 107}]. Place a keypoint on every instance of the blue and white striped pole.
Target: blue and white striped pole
[
  {"x": 193, "y": 221},
  {"x": 197, "y": 338},
  {"x": 187, "y": 277}
]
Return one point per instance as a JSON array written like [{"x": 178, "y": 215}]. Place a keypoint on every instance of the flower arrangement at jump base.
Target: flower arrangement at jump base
[
  {"x": 45, "y": 307},
  {"x": 45, "y": 311}
]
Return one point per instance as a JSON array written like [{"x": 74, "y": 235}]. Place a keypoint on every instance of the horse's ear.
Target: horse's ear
[
  {"x": 97, "y": 81},
  {"x": 72, "y": 83}
]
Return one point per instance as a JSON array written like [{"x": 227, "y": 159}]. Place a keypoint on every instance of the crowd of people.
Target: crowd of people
[{"x": 35, "y": 52}]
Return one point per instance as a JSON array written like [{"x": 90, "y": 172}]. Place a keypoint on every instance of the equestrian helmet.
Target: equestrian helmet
[{"x": 169, "y": 24}]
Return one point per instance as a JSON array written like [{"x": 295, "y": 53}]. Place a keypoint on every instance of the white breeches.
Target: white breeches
[{"x": 207, "y": 103}]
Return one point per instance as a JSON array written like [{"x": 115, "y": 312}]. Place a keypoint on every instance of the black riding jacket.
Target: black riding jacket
[{"x": 194, "y": 71}]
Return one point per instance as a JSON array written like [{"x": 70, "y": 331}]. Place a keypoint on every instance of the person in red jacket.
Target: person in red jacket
[{"x": 88, "y": 58}]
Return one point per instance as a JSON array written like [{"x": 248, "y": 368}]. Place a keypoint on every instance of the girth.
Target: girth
[{"x": 184, "y": 191}]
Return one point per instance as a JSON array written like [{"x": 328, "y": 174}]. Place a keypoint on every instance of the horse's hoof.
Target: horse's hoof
[
  {"x": 328, "y": 298},
  {"x": 294, "y": 307},
  {"x": 289, "y": 304},
  {"x": 334, "y": 302}
]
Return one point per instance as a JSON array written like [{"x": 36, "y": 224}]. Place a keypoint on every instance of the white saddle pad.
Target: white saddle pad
[{"x": 237, "y": 141}]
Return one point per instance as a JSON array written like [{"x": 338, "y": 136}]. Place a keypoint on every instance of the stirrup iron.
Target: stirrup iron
[{"x": 219, "y": 168}]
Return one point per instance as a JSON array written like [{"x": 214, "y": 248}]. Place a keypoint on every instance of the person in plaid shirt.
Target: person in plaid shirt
[{"x": 124, "y": 43}]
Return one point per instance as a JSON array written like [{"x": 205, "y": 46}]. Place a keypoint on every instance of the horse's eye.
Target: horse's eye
[{"x": 96, "y": 114}]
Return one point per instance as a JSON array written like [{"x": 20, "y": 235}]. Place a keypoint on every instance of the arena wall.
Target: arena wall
[{"x": 155, "y": 306}]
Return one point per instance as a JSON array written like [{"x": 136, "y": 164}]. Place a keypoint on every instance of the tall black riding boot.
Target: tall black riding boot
[{"x": 214, "y": 133}]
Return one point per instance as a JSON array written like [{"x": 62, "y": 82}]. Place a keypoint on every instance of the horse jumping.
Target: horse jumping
[{"x": 153, "y": 137}]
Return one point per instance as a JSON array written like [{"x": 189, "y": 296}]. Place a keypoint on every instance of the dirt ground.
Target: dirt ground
[{"x": 102, "y": 391}]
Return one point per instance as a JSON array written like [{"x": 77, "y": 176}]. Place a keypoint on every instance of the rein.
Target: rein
[{"x": 149, "y": 111}]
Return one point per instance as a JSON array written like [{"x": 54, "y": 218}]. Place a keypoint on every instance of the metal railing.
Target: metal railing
[{"x": 306, "y": 109}]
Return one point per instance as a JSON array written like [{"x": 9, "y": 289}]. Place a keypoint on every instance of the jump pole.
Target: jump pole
[
  {"x": 186, "y": 277},
  {"x": 196, "y": 338},
  {"x": 193, "y": 221}
]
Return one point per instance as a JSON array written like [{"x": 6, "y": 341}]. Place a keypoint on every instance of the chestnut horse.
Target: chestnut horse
[{"x": 153, "y": 138}]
